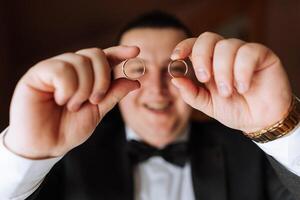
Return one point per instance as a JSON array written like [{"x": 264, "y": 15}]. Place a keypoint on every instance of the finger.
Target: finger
[
  {"x": 249, "y": 58},
  {"x": 83, "y": 68},
  {"x": 119, "y": 89},
  {"x": 54, "y": 76},
  {"x": 202, "y": 55},
  {"x": 197, "y": 97},
  {"x": 117, "y": 54},
  {"x": 223, "y": 62},
  {"x": 101, "y": 70},
  {"x": 183, "y": 49}
]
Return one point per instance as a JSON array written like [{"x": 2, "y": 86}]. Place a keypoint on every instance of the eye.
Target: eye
[
  {"x": 134, "y": 68},
  {"x": 178, "y": 69}
]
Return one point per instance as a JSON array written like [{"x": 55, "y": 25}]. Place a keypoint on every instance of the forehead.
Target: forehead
[{"x": 154, "y": 43}]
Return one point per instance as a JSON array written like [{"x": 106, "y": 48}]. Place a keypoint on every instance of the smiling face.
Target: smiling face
[{"x": 156, "y": 112}]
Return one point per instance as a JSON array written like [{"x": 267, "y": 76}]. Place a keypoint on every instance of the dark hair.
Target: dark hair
[{"x": 155, "y": 19}]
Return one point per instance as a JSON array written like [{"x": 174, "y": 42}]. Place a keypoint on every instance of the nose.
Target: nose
[{"x": 156, "y": 82}]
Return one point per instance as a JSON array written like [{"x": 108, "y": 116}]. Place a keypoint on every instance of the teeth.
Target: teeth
[{"x": 157, "y": 106}]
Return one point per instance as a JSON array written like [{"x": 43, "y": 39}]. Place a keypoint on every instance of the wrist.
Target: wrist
[
  {"x": 280, "y": 128},
  {"x": 24, "y": 150}
]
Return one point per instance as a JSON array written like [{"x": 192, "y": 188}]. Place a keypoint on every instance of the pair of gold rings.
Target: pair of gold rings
[{"x": 135, "y": 68}]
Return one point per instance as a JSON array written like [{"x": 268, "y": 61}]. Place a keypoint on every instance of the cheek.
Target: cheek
[
  {"x": 183, "y": 109},
  {"x": 129, "y": 102},
  {"x": 176, "y": 96}
]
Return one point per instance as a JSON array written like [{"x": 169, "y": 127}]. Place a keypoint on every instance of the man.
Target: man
[{"x": 59, "y": 102}]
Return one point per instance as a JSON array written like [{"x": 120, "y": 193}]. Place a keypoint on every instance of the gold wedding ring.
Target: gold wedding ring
[
  {"x": 135, "y": 68},
  {"x": 178, "y": 68}
]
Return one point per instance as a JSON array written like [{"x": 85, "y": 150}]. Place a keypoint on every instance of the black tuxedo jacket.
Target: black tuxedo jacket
[{"x": 225, "y": 166}]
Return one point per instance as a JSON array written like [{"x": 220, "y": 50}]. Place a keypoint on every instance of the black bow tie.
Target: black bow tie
[{"x": 174, "y": 153}]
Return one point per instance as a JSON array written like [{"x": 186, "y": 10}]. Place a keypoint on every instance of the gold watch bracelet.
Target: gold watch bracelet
[{"x": 281, "y": 128}]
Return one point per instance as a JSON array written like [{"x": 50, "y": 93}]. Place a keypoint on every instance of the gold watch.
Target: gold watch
[{"x": 281, "y": 128}]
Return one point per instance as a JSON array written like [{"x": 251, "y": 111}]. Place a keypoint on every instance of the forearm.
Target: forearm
[{"x": 285, "y": 150}]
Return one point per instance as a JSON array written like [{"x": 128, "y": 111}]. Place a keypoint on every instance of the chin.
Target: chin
[
  {"x": 164, "y": 131},
  {"x": 162, "y": 128},
  {"x": 161, "y": 139}
]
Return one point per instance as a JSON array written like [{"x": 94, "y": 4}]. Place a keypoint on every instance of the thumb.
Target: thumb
[
  {"x": 117, "y": 54},
  {"x": 196, "y": 96},
  {"x": 183, "y": 49},
  {"x": 118, "y": 89}
]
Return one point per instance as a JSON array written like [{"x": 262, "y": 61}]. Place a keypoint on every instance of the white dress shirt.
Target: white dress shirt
[{"x": 155, "y": 178}]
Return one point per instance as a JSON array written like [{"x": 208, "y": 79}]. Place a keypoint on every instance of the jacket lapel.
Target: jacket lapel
[
  {"x": 208, "y": 168},
  {"x": 100, "y": 168},
  {"x": 208, "y": 174}
]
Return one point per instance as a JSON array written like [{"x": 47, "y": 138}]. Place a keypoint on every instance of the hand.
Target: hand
[
  {"x": 59, "y": 102},
  {"x": 244, "y": 84}
]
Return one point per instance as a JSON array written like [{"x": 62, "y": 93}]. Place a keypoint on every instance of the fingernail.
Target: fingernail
[
  {"x": 241, "y": 87},
  {"x": 224, "y": 89},
  {"x": 202, "y": 75},
  {"x": 175, "y": 54}
]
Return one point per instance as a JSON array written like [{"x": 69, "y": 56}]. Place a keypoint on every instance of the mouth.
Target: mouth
[{"x": 158, "y": 107}]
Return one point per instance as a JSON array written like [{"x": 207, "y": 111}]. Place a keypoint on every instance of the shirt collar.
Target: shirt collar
[{"x": 131, "y": 135}]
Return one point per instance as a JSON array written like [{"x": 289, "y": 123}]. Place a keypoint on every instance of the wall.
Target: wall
[{"x": 34, "y": 30}]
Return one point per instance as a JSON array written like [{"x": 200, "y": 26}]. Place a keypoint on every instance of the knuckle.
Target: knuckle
[
  {"x": 93, "y": 52},
  {"x": 207, "y": 33},
  {"x": 236, "y": 41},
  {"x": 41, "y": 64},
  {"x": 224, "y": 44},
  {"x": 62, "y": 67},
  {"x": 247, "y": 50},
  {"x": 66, "y": 54},
  {"x": 182, "y": 44},
  {"x": 96, "y": 51},
  {"x": 82, "y": 60},
  {"x": 210, "y": 34},
  {"x": 250, "y": 48}
]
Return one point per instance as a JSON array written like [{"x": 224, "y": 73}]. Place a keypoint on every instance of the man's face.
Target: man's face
[{"x": 156, "y": 111}]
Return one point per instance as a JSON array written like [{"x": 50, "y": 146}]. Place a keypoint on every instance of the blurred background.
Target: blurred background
[{"x": 32, "y": 30}]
